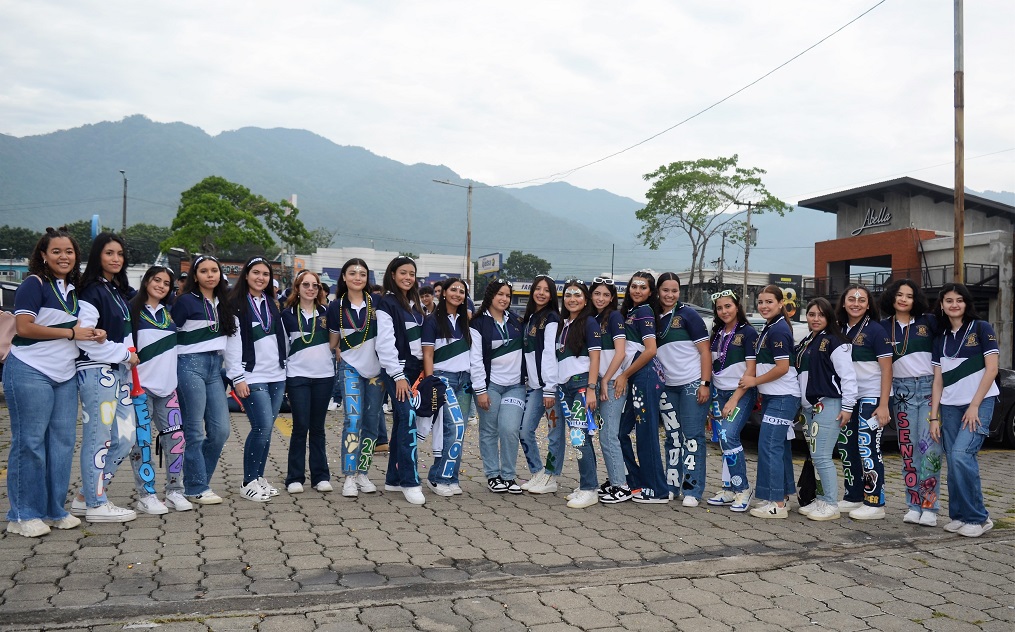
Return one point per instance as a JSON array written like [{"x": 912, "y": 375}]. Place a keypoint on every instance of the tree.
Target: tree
[
  {"x": 695, "y": 197},
  {"x": 321, "y": 238},
  {"x": 17, "y": 242},
  {"x": 217, "y": 215},
  {"x": 81, "y": 231},
  {"x": 144, "y": 242},
  {"x": 520, "y": 265}
]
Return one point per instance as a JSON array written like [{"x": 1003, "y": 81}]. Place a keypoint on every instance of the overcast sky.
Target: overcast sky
[{"x": 516, "y": 91}]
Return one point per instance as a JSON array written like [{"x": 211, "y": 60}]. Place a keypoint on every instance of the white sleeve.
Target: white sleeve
[
  {"x": 842, "y": 360},
  {"x": 549, "y": 366},
  {"x": 234, "y": 356},
  {"x": 108, "y": 351},
  {"x": 387, "y": 353},
  {"x": 476, "y": 367}
]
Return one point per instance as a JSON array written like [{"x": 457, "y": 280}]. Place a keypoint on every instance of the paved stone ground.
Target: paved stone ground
[{"x": 496, "y": 562}]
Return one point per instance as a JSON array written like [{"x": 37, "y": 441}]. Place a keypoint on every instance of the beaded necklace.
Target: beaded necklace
[
  {"x": 264, "y": 323},
  {"x": 961, "y": 340},
  {"x": 163, "y": 324},
  {"x": 210, "y": 312},
  {"x": 505, "y": 333},
  {"x": 905, "y": 339},
  {"x": 724, "y": 345},
  {"x": 73, "y": 309},
  {"x": 313, "y": 324},
  {"x": 855, "y": 331},
  {"x": 344, "y": 313},
  {"x": 672, "y": 314},
  {"x": 119, "y": 302},
  {"x": 803, "y": 347},
  {"x": 562, "y": 341}
]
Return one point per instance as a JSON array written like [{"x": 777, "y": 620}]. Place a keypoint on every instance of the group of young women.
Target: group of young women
[{"x": 592, "y": 367}]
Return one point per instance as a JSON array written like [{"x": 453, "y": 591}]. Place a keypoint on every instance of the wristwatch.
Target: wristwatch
[{"x": 706, "y": 383}]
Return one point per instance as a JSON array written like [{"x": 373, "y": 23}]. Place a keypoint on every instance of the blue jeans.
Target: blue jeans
[
  {"x": 821, "y": 429},
  {"x": 775, "y": 453},
  {"x": 402, "y": 449},
  {"x": 499, "y": 428},
  {"x": 587, "y": 477},
  {"x": 641, "y": 414},
  {"x": 308, "y": 398},
  {"x": 43, "y": 427},
  {"x": 729, "y": 437},
  {"x": 107, "y": 428},
  {"x": 921, "y": 455},
  {"x": 205, "y": 417},
  {"x": 534, "y": 411},
  {"x": 863, "y": 468},
  {"x": 261, "y": 406},
  {"x": 684, "y": 421},
  {"x": 965, "y": 498},
  {"x": 448, "y": 461},
  {"x": 609, "y": 413},
  {"x": 362, "y": 418},
  {"x": 171, "y": 444}
]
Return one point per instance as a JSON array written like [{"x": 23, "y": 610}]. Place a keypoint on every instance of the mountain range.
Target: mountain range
[{"x": 370, "y": 200}]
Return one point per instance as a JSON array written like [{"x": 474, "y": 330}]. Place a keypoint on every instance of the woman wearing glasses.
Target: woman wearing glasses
[
  {"x": 577, "y": 346},
  {"x": 352, "y": 333},
  {"x": 687, "y": 365},
  {"x": 733, "y": 356},
  {"x": 255, "y": 364},
  {"x": 542, "y": 319},
  {"x": 498, "y": 382},
  {"x": 641, "y": 413},
  {"x": 399, "y": 329},
  {"x": 309, "y": 381},
  {"x": 611, "y": 405},
  {"x": 202, "y": 323}
]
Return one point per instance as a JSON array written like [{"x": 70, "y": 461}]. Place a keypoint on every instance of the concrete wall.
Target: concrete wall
[{"x": 918, "y": 211}]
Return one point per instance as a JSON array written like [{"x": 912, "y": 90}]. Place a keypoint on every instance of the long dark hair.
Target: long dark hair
[
  {"x": 825, "y": 306},
  {"x": 441, "y": 313},
  {"x": 238, "y": 295},
  {"x": 604, "y": 316},
  {"x": 576, "y": 330},
  {"x": 967, "y": 316},
  {"x": 491, "y": 291},
  {"x": 341, "y": 288},
  {"x": 138, "y": 302},
  {"x": 221, "y": 292},
  {"x": 406, "y": 300},
  {"x": 551, "y": 305},
  {"x": 37, "y": 265},
  {"x": 93, "y": 269},
  {"x": 920, "y": 305},
  {"x": 872, "y": 306},
  {"x": 653, "y": 296},
  {"x": 776, "y": 291},
  {"x": 717, "y": 324}
]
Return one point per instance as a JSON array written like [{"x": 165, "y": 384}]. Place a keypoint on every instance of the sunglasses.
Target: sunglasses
[
  {"x": 604, "y": 280},
  {"x": 310, "y": 286},
  {"x": 719, "y": 295},
  {"x": 505, "y": 282},
  {"x": 574, "y": 281}
]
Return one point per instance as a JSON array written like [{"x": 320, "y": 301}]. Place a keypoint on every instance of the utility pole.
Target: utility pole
[
  {"x": 468, "y": 230},
  {"x": 124, "y": 174},
  {"x": 960, "y": 185},
  {"x": 747, "y": 249},
  {"x": 722, "y": 258}
]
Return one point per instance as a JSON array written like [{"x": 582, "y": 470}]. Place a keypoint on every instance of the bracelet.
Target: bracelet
[
  {"x": 937, "y": 419},
  {"x": 72, "y": 334}
]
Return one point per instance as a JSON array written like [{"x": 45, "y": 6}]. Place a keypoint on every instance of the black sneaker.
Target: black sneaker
[
  {"x": 497, "y": 485},
  {"x": 604, "y": 489},
  {"x": 615, "y": 495},
  {"x": 648, "y": 496},
  {"x": 512, "y": 487}
]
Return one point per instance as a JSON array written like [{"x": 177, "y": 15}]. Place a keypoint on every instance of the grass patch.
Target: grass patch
[{"x": 940, "y": 615}]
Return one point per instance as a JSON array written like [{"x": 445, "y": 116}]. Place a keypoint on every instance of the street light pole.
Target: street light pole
[
  {"x": 124, "y": 174},
  {"x": 468, "y": 229}
]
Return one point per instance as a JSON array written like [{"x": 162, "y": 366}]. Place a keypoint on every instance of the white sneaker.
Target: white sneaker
[
  {"x": 253, "y": 491},
  {"x": 573, "y": 494},
  {"x": 386, "y": 408},
  {"x": 392, "y": 488},
  {"x": 456, "y": 489},
  {"x": 868, "y": 512},
  {"x": 332, "y": 405},
  {"x": 29, "y": 528},
  {"x": 177, "y": 501},
  {"x": 267, "y": 486},
  {"x": 67, "y": 522},
  {"x": 583, "y": 498},
  {"x": 723, "y": 497},
  {"x": 349, "y": 487},
  {"x": 414, "y": 495},
  {"x": 364, "y": 484},
  {"x": 206, "y": 498},
  {"x": 976, "y": 530},
  {"x": 742, "y": 502},
  {"x": 928, "y": 519},
  {"x": 151, "y": 504},
  {"x": 845, "y": 505},
  {"x": 913, "y": 517},
  {"x": 532, "y": 481},
  {"x": 78, "y": 507},
  {"x": 324, "y": 487},
  {"x": 689, "y": 501},
  {"x": 824, "y": 511},
  {"x": 110, "y": 513},
  {"x": 954, "y": 526},
  {"x": 808, "y": 508},
  {"x": 547, "y": 485},
  {"x": 441, "y": 489},
  {"x": 294, "y": 487},
  {"x": 770, "y": 510}
]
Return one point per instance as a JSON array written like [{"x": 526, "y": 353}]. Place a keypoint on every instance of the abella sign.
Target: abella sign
[{"x": 873, "y": 219}]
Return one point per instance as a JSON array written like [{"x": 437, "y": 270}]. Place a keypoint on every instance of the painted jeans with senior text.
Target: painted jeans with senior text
[{"x": 921, "y": 455}]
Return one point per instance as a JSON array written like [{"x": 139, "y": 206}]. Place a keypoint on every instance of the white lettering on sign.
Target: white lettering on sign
[{"x": 874, "y": 218}]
